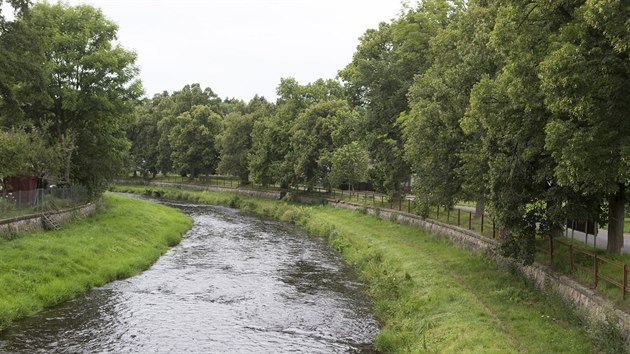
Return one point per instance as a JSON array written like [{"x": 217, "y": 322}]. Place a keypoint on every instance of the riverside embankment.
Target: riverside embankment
[
  {"x": 124, "y": 237},
  {"x": 428, "y": 294},
  {"x": 236, "y": 283}
]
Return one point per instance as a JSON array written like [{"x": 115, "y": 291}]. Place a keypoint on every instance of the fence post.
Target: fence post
[
  {"x": 459, "y": 212},
  {"x": 448, "y": 216},
  {"x": 470, "y": 220},
  {"x": 482, "y": 214},
  {"x": 571, "y": 257},
  {"x": 586, "y": 233},
  {"x": 493, "y": 229},
  {"x": 625, "y": 280},
  {"x": 400, "y": 204},
  {"x": 438, "y": 213},
  {"x": 596, "y": 269},
  {"x": 409, "y": 206}
]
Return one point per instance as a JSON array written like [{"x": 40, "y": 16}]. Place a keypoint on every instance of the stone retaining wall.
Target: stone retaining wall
[{"x": 35, "y": 222}]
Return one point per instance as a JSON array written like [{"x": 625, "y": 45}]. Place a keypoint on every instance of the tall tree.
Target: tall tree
[
  {"x": 349, "y": 164},
  {"x": 269, "y": 159},
  {"x": 193, "y": 141},
  {"x": 234, "y": 143},
  {"x": 379, "y": 77},
  {"x": 235, "y": 139},
  {"x": 316, "y": 133},
  {"x": 436, "y": 147},
  {"x": 508, "y": 112},
  {"x": 586, "y": 82},
  {"x": 91, "y": 86}
]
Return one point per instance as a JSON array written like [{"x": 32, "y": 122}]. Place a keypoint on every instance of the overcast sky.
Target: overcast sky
[{"x": 240, "y": 48}]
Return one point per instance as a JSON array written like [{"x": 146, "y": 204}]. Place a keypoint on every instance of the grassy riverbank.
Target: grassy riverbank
[
  {"x": 123, "y": 238},
  {"x": 429, "y": 295}
]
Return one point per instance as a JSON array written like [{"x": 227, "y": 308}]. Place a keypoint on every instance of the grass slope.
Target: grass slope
[
  {"x": 123, "y": 238},
  {"x": 429, "y": 295}
]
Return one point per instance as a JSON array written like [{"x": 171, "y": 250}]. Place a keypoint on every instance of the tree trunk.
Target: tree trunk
[
  {"x": 616, "y": 205},
  {"x": 69, "y": 140}
]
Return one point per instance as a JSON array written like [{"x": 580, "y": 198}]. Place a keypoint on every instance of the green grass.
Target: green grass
[
  {"x": 123, "y": 238},
  {"x": 429, "y": 295}
]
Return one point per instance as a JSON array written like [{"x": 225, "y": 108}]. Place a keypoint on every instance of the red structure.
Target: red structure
[{"x": 23, "y": 188}]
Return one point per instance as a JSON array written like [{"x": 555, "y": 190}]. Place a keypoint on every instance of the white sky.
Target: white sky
[{"x": 240, "y": 48}]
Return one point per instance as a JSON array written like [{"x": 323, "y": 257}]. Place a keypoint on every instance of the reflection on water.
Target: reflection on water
[{"x": 235, "y": 284}]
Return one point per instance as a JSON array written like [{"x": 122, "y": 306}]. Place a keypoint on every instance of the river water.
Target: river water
[{"x": 235, "y": 284}]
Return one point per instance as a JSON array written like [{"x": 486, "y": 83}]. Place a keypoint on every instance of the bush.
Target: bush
[{"x": 234, "y": 201}]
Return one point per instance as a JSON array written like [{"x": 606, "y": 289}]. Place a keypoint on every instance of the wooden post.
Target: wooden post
[
  {"x": 448, "y": 216},
  {"x": 596, "y": 269},
  {"x": 409, "y": 206},
  {"x": 482, "y": 214},
  {"x": 571, "y": 257},
  {"x": 625, "y": 280},
  {"x": 470, "y": 220},
  {"x": 400, "y": 204},
  {"x": 493, "y": 229},
  {"x": 459, "y": 212},
  {"x": 438, "y": 212}
]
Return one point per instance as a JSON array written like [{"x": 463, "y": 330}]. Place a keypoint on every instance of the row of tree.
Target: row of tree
[
  {"x": 523, "y": 106},
  {"x": 520, "y": 106},
  {"x": 310, "y": 136}
]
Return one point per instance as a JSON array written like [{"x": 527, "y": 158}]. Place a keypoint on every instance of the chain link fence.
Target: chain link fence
[{"x": 17, "y": 203}]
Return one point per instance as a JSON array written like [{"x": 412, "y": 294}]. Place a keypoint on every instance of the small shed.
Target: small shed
[{"x": 23, "y": 189}]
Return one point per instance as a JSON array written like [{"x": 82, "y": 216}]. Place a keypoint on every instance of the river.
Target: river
[{"x": 235, "y": 284}]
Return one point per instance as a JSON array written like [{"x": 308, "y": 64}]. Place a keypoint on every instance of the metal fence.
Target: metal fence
[{"x": 42, "y": 199}]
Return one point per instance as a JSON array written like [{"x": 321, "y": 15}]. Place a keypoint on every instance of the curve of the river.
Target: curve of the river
[{"x": 235, "y": 284}]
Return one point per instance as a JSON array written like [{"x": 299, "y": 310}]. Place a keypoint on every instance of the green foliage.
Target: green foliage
[
  {"x": 235, "y": 142},
  {"x": 349, "y": 164},
  {"x": 64, "y": 74},
  {"x": 192, "y": 139},
  {"x": 316, "y": 132},
  {"x": 29, "y": 152}
]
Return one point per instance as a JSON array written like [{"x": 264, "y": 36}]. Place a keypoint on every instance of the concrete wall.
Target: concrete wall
[{"x": 30, "y": 223}]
